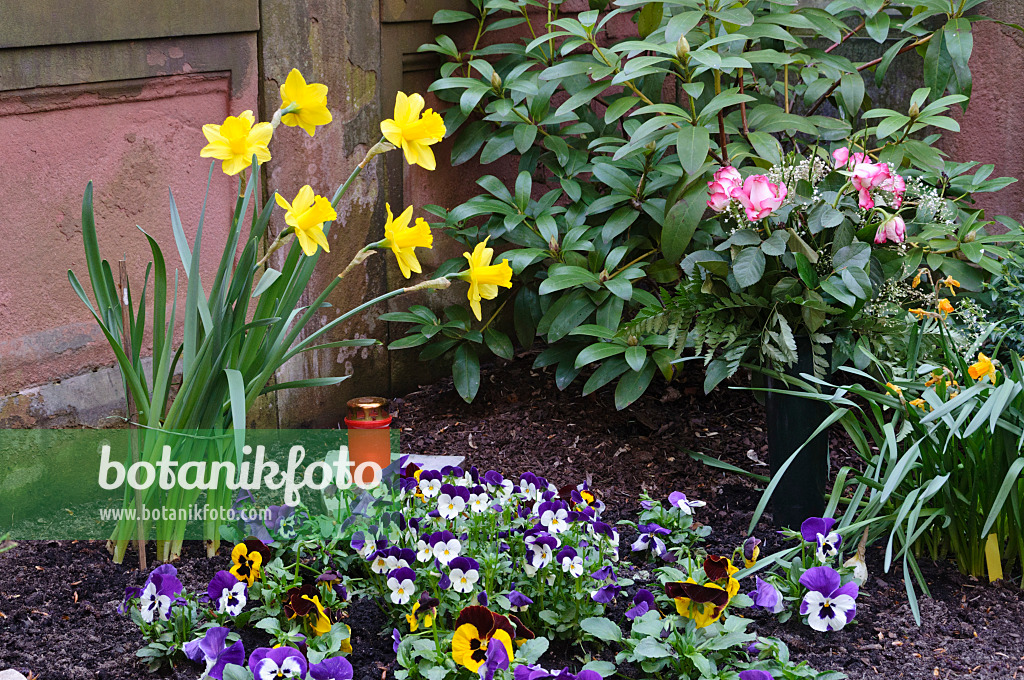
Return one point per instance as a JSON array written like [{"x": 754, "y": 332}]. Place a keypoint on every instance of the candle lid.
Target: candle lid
[{"x": 368, "y": 408}]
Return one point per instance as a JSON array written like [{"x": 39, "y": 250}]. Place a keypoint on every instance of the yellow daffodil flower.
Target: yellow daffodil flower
[
  {"x": 413, "y": 133},
  {"x": 919, "y": 403},
  {"x": 484, "y": 277},
  {"x": 917, "y": 278},
  {"x": 919, "y": 313},
  {"x": 236, "y": 140},
  {"x": 404, "y": 240},
  {"x": 945, "y": 306},
  {"x": 894, "y": 389},
  {"x": 308, "y": 103},
  {"x": 982, "y": 369},
  {"x": 951, "y": 283},
  {"x": 306, "y": 215}
]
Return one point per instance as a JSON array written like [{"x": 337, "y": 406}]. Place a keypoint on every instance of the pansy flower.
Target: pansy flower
[
  {"x": 719, "y": 568},
  {"x": 227, "y": 594},
  {"x": 518, "y": 601},
  {"x": 476, "y": 629},
  {"x": 572, "y": 563},
  {"x": 766, "y": 596},
  {"x": 751, "y": 550},
  {"x": 446, "y": 546},
  {"x": 643, "y": 602},
  {"x": 756, "y": 674},
  {"x": 606, "y": 593},
  {"x": 651, "y": 538},
  {"x": 427, "y": 604},
  {"x": 828, "y": 605},
  {"x": 363, "y": 544},
  {"x": 400, "y": 582},
  {"x": 424, "y": 549},
  {"x": 277, "y": 663},
  {"x": 379, "y": 562},
  {"x": 678, "y": 500},
  {"x": 522, "y": 632},
  {"x": 304, "y": 603},
  {"x": 702, "y": 603},
  {"x": 554, "y": 516},
  {"x": 531, "y": 486},
  {"x": 335, "y": 668},
  {"x": 396, "y": 640},
  {"x": 430, "y": 483},
  {"x": 161, "y": 589},
  {"x": 496, "y": 658},
  {"x": 464, "y": 573},
  {"x": 605, "y": 573},
  {"x": 452, "y": 501},
  {"x": 818, "y": 530},
  {"x": 541, "y": 551},
  {"x": 247, "y": 560},
  {"x": 213, "y": 650},
  {"x": 282, "y": 521},
  {"x": 478, "y": 499}
]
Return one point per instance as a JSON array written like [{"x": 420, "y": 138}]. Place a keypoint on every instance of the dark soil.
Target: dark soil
[{"x": 58, "y": 600}]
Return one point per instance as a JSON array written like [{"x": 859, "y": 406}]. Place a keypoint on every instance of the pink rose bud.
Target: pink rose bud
[
  {"x": 759, "y": 197},
  {"x": 720, "y": 188},
  {"x": 893, "y": 230}
]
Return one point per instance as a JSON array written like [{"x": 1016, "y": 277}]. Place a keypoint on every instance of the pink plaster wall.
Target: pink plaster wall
[{"x": 134, "y": 140}]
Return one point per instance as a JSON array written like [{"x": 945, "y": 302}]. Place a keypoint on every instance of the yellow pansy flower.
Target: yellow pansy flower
[
  {"x": 484, "y": 277},
  {"x": 308, "y": 103},
  {"x": 982, "y": 369},
  {"x": 413, "y": 133},
  {"x": 236, "y": 140},
  {"x": 306, "y": 215},
  {"x": 245, "y": 565},
  {"x": 404, "y": 240},
  {"x": 945, "y": 306}
]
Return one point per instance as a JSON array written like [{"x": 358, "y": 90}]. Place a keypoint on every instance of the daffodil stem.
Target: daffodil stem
[{"x": 281, "y": 239}]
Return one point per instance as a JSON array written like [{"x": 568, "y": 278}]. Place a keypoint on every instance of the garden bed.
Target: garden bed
[{"x": 58, "y": 601}]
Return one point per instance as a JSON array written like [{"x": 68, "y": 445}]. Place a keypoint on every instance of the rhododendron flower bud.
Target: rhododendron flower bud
[
  {"x": 897, "y": 186},
  {"x": 867, "y": 176},
  {"x": 842, "y": 156},
  {"x": 759, "y": 197},
  {"x": 893, "y": 229},
  {"x": 720, "y": 188}
]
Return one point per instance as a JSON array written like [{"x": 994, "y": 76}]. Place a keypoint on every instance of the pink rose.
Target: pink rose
[
  {"x": 867, "y": 176},
  {"x": 759, "y": 197},
  {"x": 841, "y": 156},
  {"x": 893, "y": 229},
  {"x": 896, "y": 186},
  {"x": 720, "y": 188}
]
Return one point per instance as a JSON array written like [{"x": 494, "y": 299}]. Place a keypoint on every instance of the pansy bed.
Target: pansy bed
[{"x": 478, "y": 575}]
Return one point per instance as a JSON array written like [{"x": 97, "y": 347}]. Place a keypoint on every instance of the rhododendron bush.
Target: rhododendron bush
[{"x": 737, "y": 139}]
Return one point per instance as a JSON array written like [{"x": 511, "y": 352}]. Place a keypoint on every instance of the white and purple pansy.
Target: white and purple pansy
[
  {"x": 766, "y": 596},
  {"x": 818, "y": 530},
  {"x": 160, "y": 591},
  {"x": 532, "y": 486},
  {"x": 227, "y": 594},
  {"x": 464, "y": 573},
  {"x": 213, "y": 650},
  {"x": 518, "y": 601},
  {"x": 277, "y": 663},
  {"x": 281, "y": 521},
  {"x": 571, "y": 561},
  {"x": 651, "y": 538},
  {"x": 430, "y": 483},
  {"x": 452, "y": 501},
  {"x": 643, "y": 602},
  {"x": 424, "y": 549},
  {"x": 541, "y": 550},
  {"x": 379, "y": 562},
  {"x": 335, "y": 668},
  {"x": 554, "y": 516},
  {"x": 828, "y": 604},
  {"x": 478, "y": 499},
  {"x": 364, "y": 545},
  {"x": 446, "y": 546},
  {"x": 677, "y": 499},
  {"x": 401, "y": 582}
]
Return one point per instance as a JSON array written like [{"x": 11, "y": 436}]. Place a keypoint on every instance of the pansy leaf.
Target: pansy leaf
[
  {"x": 602, "y": 628},
  {"x": 532, "y": 650}
]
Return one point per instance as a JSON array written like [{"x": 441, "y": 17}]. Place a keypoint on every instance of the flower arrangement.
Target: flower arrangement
[{"x": 247, "y": 321}]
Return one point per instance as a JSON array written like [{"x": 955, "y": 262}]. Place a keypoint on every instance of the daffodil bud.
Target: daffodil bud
[
  {"x": 682, "y": 48},
  {"x": 495, "y": 80},
  {"x": 433, "y": 284}
]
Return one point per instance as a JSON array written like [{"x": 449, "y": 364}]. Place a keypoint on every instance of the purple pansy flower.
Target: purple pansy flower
[
  {"x": 452, "y": 501},
  {"x": 160, "y": 591},
  {"x": 818, "y": 530},
  {"x": 336, "y": 668},
  {"x": 766, "y": 596},
  {"x": 751, "y": 550},
  {"x": 496, "y": 659},
  {"x": 400, "y": 581},
  {"x": 650, "y": 537},
  {"x": 274, "y": 664},
  {"x": 213, "y": 650},
  {"x": 643, "y": 602},
  {"x": 526, "y": 671},
  {"x": 397, "y": 637},
  {"x": 678, "y": 500},
  {"x": 518, "y": 601},
  {"x": 755, "y": 674},
  {"x": 829, "y": 605},
  {"x": 605, "y": 594},
  {"x": 605, "y": 573},
  {"x": 227, "y": 594}
]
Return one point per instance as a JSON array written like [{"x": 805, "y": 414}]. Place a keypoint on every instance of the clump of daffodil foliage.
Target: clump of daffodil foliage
[
  {"x": 478, "y": 574},
  {"x": 244, "y": 323}
]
